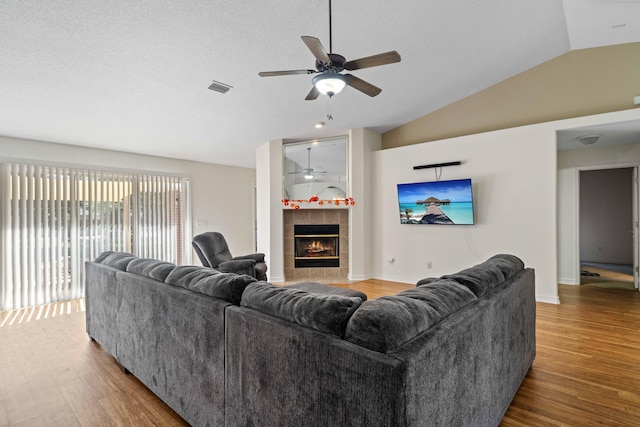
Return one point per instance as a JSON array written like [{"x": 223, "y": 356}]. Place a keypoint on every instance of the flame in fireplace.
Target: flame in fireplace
[{"x": 317, "y": 248}]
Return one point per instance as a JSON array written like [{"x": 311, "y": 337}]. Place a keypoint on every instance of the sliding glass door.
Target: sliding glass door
[{"x": 56, "y": 218}]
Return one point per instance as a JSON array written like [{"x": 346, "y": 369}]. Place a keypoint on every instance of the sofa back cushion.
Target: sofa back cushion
[
  {"x": 325, "y": 313},
  {"x": 386, "y": 323},
  {"x": 119, "y": 260},
  {"x": 508, "y": 264},
  {"x": 483, "y": 277},
  {"x": 152, "y": 268},
  {"x": 225, "y": 286}
]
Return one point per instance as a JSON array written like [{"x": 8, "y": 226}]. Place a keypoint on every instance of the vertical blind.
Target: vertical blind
[{"x": 56, "y": 218}]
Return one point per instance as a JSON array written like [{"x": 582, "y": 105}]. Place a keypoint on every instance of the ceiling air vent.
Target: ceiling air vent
[{"x": 220, "y": 87}]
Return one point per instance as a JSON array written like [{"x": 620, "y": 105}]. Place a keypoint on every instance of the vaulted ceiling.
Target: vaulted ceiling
[{"x": 134, "y": 76}]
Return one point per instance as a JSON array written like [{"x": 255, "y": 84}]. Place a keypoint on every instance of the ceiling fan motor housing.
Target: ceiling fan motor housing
[{"x": 337, "y": 63}]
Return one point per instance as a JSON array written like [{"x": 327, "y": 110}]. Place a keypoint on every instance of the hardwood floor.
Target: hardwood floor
[
  {"x": 587, "y": 369},
  {"x": 605, "y": 274},
  {"x": 51, "y": 374}
]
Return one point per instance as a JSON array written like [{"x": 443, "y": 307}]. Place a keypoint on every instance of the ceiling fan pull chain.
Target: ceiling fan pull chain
[{"x": 329, "y": 115}]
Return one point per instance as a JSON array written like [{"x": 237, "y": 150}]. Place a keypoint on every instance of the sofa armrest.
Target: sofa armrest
[
  {"x": 256, "y": 257},
  {"x": 239, "y": 266}
]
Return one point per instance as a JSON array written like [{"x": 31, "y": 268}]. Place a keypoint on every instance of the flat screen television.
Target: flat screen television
[{"x": 437, "y": 202}]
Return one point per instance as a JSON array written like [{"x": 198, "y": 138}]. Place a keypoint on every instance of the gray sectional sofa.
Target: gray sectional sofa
[{"x": 225, "y": 349}]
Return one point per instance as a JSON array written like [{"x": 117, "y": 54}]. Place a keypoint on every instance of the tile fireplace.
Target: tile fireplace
[{"x": 293, "y": 218}]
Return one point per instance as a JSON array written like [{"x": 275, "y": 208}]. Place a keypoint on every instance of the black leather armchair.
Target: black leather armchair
[{"x": 213, "y": 251}]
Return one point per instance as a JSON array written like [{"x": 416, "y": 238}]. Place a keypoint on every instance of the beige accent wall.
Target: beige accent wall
[{"x": 578, "y": 83}]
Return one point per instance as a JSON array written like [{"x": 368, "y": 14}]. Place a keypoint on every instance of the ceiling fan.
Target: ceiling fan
[
  {"x": 308, "y": 173},
  {"x": 330, "y": 81}
]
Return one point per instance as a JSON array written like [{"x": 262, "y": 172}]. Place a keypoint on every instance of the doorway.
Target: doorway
[{"x": 608, "y": 219}]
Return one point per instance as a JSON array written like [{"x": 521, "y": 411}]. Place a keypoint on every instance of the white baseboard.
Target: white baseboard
[
  {"x": 548, "y": 299},
  {"x": 354, "y": 277},
  {"x": 276, "y": 279},
  {"x": 400, "y": 279},
  {"x": 568, "y": 281}
]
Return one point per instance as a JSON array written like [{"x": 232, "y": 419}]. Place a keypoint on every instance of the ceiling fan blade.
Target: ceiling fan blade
[
  {"x": 373, "y": 61},
  {"x": 313, "y": 94},
  {"x": 364, "y": 87},
  {"x": 316, "y": 48},
  {"x": 285, "y": 73}
]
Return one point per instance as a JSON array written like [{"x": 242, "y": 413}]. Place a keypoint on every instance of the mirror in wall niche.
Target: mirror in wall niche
[{"x": 316, "y": 168}]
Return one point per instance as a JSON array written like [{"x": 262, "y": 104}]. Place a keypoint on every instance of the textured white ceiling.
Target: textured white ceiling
[
  {"x": 592, "y": 23},
  {"x": 133, "y": 76}
]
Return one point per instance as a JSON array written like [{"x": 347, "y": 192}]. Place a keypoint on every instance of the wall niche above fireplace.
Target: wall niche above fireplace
[{"x": 316, "y": 168}]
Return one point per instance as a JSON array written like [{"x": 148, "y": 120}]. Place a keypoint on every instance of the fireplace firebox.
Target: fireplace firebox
[{"x": 316, "y": 245}]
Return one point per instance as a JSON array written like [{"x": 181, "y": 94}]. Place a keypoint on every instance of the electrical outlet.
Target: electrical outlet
[{"x": 429, "y": 264}]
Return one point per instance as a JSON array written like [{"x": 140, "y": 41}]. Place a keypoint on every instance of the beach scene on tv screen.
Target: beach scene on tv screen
[{"x": 438, "y": 202}]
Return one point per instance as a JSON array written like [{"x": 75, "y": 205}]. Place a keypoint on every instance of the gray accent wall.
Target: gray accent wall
[{"x": 606, "y": 215}]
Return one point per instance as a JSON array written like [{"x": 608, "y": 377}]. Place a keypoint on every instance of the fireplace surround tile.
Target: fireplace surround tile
[
  {"x": 288, "y": 244},
  {"x": 288, "y": 273},
  {"x": 317, "y": 217},
  {"x": 289, "y": 260},
  {"x": 331, "y": 216},
  {"x": 301, "y": 274}
]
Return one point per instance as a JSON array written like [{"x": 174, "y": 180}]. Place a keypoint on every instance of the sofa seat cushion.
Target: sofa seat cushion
[
  {"x": 205, "y": 280},
  {"x": 386, "y": 323},
  {"x": 119, "y": 260},
  {"x": 322, "y": 312},
  {"x": 152, "y": 268}
]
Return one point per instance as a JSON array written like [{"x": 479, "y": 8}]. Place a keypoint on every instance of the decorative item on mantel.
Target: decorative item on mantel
[{"x": 295, "y": 204}]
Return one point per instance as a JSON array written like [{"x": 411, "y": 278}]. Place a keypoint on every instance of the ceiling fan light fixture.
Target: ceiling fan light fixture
[
  {"x": 329, "y": 83},
  {"x": 308, "y": 176}
]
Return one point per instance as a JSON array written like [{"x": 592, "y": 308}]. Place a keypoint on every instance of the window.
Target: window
[{"x": 56, "y": 218}]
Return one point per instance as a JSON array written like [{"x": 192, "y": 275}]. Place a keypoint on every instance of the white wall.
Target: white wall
[
  {"x": 362, "y": 147},
  {"x": 513, "y": 176},
  {"x": 515, "y": 190},
  {"x": 608, "y": 155},
  {"x": 220, "y": 195},
  {"x": 567, "y": 217},
  {"x": 269, "y": 171}
]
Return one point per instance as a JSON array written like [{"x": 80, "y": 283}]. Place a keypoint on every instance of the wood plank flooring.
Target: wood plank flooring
[{"x": 587, "y": 369}]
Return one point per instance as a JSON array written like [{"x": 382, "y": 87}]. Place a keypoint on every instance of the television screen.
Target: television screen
[{"x": 438, "y": 202}]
